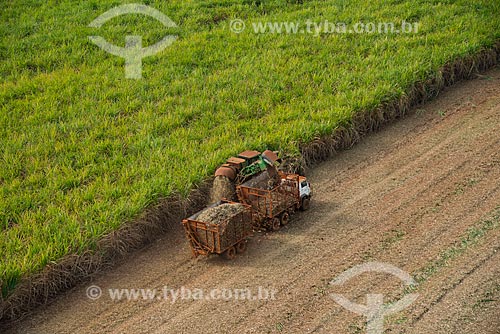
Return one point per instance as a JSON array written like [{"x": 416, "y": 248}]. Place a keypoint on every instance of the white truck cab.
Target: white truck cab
[
  {"x": 304, "y": 187},
  {"x": 295, "y": 181},
  {"x": 305, "y": 192}
]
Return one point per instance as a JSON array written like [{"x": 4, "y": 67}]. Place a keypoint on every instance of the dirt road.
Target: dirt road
[{"x": 422, "y": 195}]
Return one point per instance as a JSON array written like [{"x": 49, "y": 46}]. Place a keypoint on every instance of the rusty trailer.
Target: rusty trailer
[{"x": 225, "y": 238}]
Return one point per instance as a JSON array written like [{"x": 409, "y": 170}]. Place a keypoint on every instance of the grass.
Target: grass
[{"x": 84, "y": 150}]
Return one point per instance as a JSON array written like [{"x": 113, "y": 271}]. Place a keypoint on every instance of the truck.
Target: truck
[
  {"x": 221, "y": 228},
  {"x": 266, "y": 198},
  {"x": 273, "y": 205}
]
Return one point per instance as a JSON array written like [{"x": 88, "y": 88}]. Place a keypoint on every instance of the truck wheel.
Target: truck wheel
[
  {"x": 305, "y": 204},
  {"x": 284, "y": 218},
  {"x": 275, "y": 224},
  {"x": 230, "y": 253},
  {"x": 241, "y": 246}
]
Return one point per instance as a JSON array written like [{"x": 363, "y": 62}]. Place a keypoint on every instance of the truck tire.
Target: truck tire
[
  {"x": 275, "y": 224},
  {"x": 306, "y": 201},
  {"x": 230, "y": 253},
  {"x": 285, "y": 217},
  {"x": 241, "y": 246}
]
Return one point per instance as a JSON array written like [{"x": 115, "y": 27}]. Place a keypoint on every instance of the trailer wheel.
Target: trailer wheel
[
  {"x": 230, "y": 253},
  {"x": 275, "y": 224},
  {"x": 285, "y": 217},
  {"x": 305, "y": 204},
  {"x": 241, "y": 246}
]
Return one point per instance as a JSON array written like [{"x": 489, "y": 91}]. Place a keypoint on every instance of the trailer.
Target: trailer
[
  {"x": 272, "y": 207},
  {"x": 225, "y": 237}
]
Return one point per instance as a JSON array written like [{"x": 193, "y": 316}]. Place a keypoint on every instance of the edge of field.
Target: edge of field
[{"x": 165, "y": 216}]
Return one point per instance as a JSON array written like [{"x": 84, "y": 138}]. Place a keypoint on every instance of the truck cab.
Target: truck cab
[
  {"x": 305, "y": 193},
  {"x": 304, "y": 188}
]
